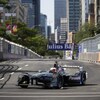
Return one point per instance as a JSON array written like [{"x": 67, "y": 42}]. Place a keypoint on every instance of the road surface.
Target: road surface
[{"x": 9, "y": 90}]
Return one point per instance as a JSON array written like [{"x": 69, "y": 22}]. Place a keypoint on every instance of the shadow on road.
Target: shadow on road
[{"x": 66, "y": 87}]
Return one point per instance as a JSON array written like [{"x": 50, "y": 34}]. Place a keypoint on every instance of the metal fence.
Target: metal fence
[{"x": 89, "y": 49}]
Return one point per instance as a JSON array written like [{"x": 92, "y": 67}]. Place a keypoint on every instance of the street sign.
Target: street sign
[{"x": 57, "y": 46}]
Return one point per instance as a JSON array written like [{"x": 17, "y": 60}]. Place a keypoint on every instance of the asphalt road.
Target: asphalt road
[{"x": 91, "y": 91}]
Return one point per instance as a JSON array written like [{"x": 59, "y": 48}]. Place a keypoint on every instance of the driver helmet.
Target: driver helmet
[
  {"x": 53, "y": 70},
  {"x": 56, "y": 65}
]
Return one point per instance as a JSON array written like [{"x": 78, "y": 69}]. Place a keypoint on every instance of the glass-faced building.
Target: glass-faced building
[
  {"x": 59, "y": 14},
  {"x": 73, "y": 14},
  {"x": 59, "y": 11},
  {"x": 33, "y": 18},
  {"x": 44, "y": 25}
]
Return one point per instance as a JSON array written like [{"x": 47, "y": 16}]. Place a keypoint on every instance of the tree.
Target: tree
[
  {"x": 40, "y": 44},
  {"x": 97, "y": 28},
  {"x": 4, "y": 2},
  {"x": 87, "y": 30}
]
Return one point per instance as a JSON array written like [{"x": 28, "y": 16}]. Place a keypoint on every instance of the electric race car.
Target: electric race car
[{"x": 54, "y": 78}]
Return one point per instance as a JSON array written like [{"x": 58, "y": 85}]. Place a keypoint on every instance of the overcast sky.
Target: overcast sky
[{"x": 47, "y": 7}]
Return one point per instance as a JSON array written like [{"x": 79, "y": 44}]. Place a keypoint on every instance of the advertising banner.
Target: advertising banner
[{"x": 57, "y": 46}]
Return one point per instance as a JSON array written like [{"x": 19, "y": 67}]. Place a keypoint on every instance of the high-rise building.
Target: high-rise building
[
  {"x": 97, "y": 11},
  {"x": 48, "y": 32},
  {"x": 94, "y": 11},
  {"x": 91, "y": 18},
  {"x": 63, "y": 30},
  {"x": 73, "y": 14},
  {"x": 33, "y": 18},
  {"x": 44, "y": 25},
  {"x": 59, "y": 11},
  {"x": 16, "y": 10},
  {"x": 85, "y": 11}
]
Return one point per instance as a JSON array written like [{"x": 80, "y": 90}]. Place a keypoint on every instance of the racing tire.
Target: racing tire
[
  {"x": 24, "y": 85},
  {"x": 83, "y": 79}
]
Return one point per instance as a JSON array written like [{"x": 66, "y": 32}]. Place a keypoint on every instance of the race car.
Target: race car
[{"x": 54, "y": 78}]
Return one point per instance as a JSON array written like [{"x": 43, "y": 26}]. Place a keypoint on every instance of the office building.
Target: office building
[
  {"x": 91, "y": 18},
  {"x": 16, "y": 10},
  {"x": 48, "y": 32},
  {"x": 94, "y": 11},
  {"x": 63, "y": 30},
  {"x": 73, "y": 15},
  {"x": 33, "y": 18},
  {"x": 43, "y": 25},
  {"x": 85, "y": 11},
  {"x": 97, "y": 11},
  {"x": 59, "y": 11}
]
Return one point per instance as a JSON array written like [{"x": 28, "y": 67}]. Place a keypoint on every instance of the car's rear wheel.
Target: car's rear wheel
[{"x": 24, "y": 82}]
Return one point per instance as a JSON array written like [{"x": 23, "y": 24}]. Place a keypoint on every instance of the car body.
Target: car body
[{"x": 66, "y": 75}]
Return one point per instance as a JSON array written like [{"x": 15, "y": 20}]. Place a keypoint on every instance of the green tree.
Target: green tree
[
  {"x": 2, "y": 31},
  {"x": 40, "y": 44},
  {"x": 87, "y": 30},
  {"x": 4, "y": 2},
  {"x": 97, "y": 28}
]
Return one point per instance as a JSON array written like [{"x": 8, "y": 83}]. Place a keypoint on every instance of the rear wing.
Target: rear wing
[{"x": 71, "y": 70}]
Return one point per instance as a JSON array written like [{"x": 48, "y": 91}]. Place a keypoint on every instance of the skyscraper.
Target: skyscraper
[
  {"x": 44, "y": 25},
  {"x": 33, "y": 18},
  {"x": 84, "y": 10},
  {"x": 97, "y": 11},
  {"x": 91, "y": 18},
  {"x": 59, "y": 11},
  {"x": 94, "y": 11},
  {"x": 73, "y": 14}
]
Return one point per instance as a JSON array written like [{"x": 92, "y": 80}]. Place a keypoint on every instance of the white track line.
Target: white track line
[
  {"x": 19, "y": 68},
  {"x": 2, "y": 79},
  {"x": 70, "y": 93},
  {"x": 26, "y": 65},
  {"x": 72, "y": 96},
  {"x": 12, "y": 73}
]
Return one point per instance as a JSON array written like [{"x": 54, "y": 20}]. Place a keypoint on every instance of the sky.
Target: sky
[{"x": 47, "y": 8}]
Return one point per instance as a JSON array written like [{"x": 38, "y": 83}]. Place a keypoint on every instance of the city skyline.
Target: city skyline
[{"x": 47, "y": 7}]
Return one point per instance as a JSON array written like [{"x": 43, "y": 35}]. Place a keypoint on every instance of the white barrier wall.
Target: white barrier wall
[{"x": 11, "y": 50}]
